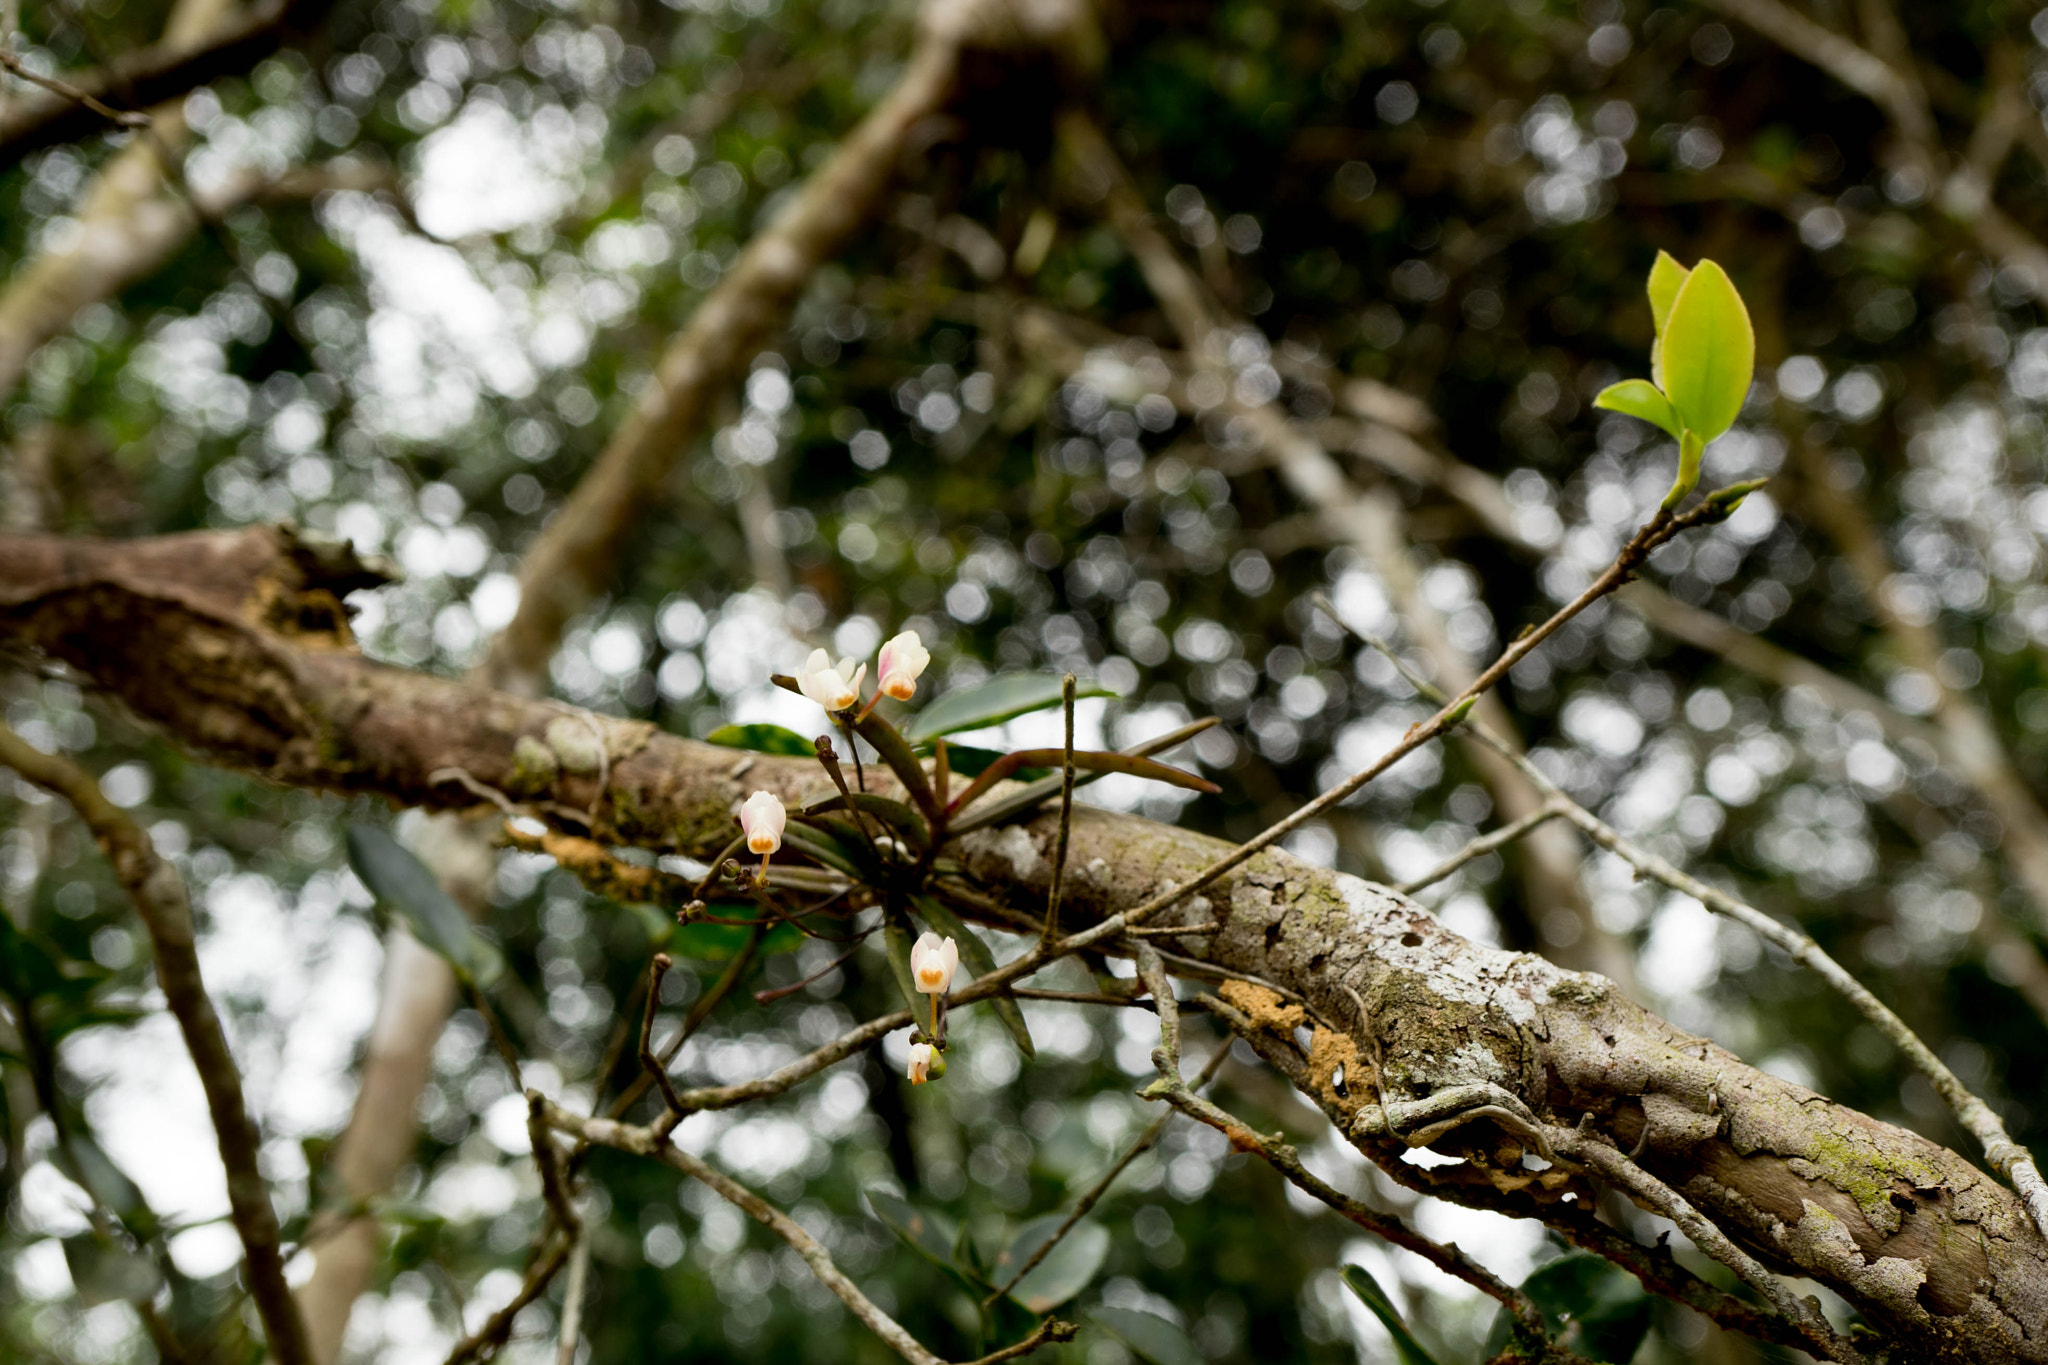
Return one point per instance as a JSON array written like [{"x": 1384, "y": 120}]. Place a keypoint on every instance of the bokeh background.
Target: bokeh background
[{"x": 443, "y": 244}]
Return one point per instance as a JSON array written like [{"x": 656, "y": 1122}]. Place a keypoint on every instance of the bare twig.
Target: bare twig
[
  {"x": 162, "y": 903},
  {"x": 572, "y": 1301},
  {"x": 649, "y": 1063},
  {"x": 124, "y": 118},
  {"x": 1587, "y": 1149},
  {"x": 1093, "y": 1194},
  {"x": 1059, "y": 856},
  {"x": 1659, "y": 529},
  {"x": 485, "y": 1341},
  {"x": 602, "y": 1132},
  {"x": 1480, "y": 847}
]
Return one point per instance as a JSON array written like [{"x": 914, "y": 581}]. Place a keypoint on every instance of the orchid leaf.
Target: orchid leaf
[
  {"x": 763, "y": 738},
  {"x": 1092, "y": 760},
  {"x": 1148, "y": 1336},
  {"x": 1407, "y": 1350},
  {"x": 1045, "y": 788},
  {"x": 1003, "y": 697},
  {"x": 397, "y": 878}
]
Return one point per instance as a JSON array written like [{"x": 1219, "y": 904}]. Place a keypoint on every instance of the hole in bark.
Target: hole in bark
[
  {"x": 1411, "y": 939},
  {"x": 1273, "y": 933},
  {"x": 1903, "y": 1202}
]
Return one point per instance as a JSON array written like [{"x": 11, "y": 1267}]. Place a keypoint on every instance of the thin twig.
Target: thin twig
[
  {"x": 552, "y": 1187},
  {"x": 1587, "y": 1149},
  {"x": 1059, "y": 856},
  {"x": 165, "y": 908},
  {"x": 604, "y": 1133},
  {"x": 1093, "y": 1195},
  {"x": 485, "y": 1341},
  {"x": 1050, "y": 1331},
  {"x": 572, "y": 1301},
  {"x": 125, "y": 118},
  {"x": 1480, "y": 847},
  {"x": 649, "y": 1063}
]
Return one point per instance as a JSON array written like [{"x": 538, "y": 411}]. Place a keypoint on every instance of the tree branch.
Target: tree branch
[
  {"x": 160, "y": 900},
  {"x": 218, "y": 638}
]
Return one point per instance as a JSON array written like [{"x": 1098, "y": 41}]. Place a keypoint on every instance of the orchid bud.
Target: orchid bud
[
  {"x": 762, "y": 818},
  {"x": 835, "y": 689},
  {"x": 933, "y": 961},
  {"x": 920, "y": 1063},
  {"x": 904, "y": 658}
]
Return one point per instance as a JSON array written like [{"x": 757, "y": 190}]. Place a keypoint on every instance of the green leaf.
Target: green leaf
[
  {"x": 822, "y": 847},
  {"x": 1064, "y": 1272},
  {"x": 28, "y": 967},
  {"x": 1640, "y": 398},
  {"x": 1025, "y": 800},
  {"x": 968, "y": 760},
  {"x": 763, "y": 738},
  {"x": 105, "y": 1273},
  {"x": 1407, "y": 1350},
  {"x": 897, "y": 940},
  {"x": 88, "y": 1164},
  {"x": 403, "y": 883},
  {"x": 1090, "y": 760},
  {"x": 1591, "y": 1306},
  {"x": 1667, "y": 277},
  {"x": 1709, "y": 352},
  {"x": 1149, "y": 1336},
  {"x": 1001, "y": 698},
  {"x": 894, "y": 814},
  {"x": 979, "y": 961},
  {"x": 925, "y": 1233},
  {"x": 723, "y": 942},
  {"x": 888, "y": 741}
]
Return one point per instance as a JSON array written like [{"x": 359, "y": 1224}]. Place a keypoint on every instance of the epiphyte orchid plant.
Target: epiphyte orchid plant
[{"x": 894, "y": 847}]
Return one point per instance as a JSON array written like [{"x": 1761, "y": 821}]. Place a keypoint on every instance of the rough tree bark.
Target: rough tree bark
[{"x": 235, "y": 644}]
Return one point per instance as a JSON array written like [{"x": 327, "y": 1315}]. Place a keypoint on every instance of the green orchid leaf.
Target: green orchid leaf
[
  {"x": 895, "y": 751},
  {"x": 1407, "y": 1350},
  {"x": 402, "y": 882},
  {"x": 1709, "y": 352},
  {"x": 723, "y": 942},
  {"x": 897, "y": 939},
  {"x": 1591, "y": 1306},
  {"x": 894, "y": 814},
  {"x": 979, "y": 961},
  {"x": 106, "y": 1273},
  {"x": 1066, "y": 1269},
  {"x": 1148, "y": 1336},
  {"x": 925, "y": 1233},
  {"x": 1641, "y": 398},
  {"x": 763, "y": 738},
  {"x": 1027, "y": 798},
  {"x": 1003, "y": 697},
  {"x": 1090, "y": 760}
]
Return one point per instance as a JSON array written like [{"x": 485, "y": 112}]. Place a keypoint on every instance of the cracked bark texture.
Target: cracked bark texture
[{"x": 234, "y": 644}]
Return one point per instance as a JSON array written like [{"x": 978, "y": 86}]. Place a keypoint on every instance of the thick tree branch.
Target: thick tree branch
[
  {"x": 219, "y": 638},
  {"x": 166, "y": 912}
]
